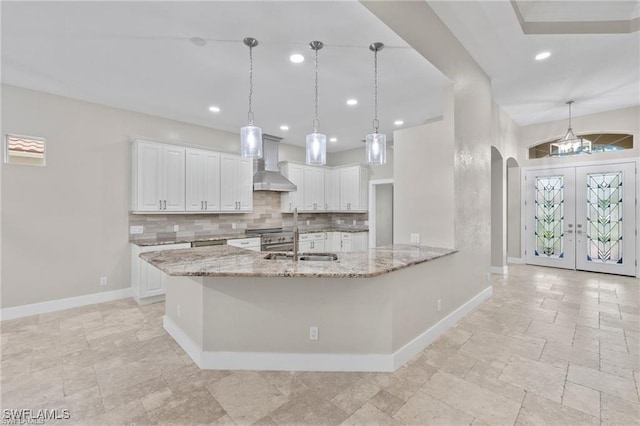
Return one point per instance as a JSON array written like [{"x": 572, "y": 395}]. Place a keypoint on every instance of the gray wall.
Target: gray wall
[
  {"x": 384, "y": 214},
  {"x": 66, "y": 225}
]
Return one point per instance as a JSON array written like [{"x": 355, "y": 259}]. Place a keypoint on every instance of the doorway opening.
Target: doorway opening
[{"x": 380, "y": 212}]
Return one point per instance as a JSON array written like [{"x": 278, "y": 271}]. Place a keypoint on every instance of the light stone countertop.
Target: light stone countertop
[
  {"x": 311, "y": 229},
  {"x": 227, "y": 261}
]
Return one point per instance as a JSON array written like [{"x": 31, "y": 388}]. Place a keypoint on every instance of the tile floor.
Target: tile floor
[{"x": 550, "y": 347}]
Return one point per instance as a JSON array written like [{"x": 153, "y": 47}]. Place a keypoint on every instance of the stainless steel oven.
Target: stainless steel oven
[{"x": 273, "y": 239}]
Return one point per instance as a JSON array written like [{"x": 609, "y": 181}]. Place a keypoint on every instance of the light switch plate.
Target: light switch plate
[
  {"x": 415, "y": 238},
  {"x": 176, "y": 228},
  {"x": 136, "y": 230}
]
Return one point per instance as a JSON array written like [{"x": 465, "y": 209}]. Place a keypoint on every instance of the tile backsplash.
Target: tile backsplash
[{"x": 266, "y": 214}]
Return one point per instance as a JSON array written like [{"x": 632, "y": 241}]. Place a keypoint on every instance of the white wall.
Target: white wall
[
  {"x": 384, "y": 214},
  {"x": 513, "y": 212},
  {"x": 477, "y": 125},
  {"x": 358, "y": 156},
  {"x": 66, "y": 225}
]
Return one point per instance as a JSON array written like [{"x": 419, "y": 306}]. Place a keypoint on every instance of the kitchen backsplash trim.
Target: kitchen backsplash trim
[{"x": 266, "y": 214}]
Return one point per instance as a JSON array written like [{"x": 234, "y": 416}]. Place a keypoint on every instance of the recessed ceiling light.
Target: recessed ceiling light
[
  {"x": 198, "y": 41},
  {"x": 214, "y": 109},
  {"x": 398, "y": 122},
  {"x": 296, "y": 58},
  {"x": 333, "y": 139},
  {"x": 542, "y": 55},
  {"x": 284, "y": 127},
  {"x": 352, "y": 102}
]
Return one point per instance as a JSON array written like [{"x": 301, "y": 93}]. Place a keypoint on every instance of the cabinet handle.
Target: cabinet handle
[
  {"x": 201, "y": 205},
  {"x": 325, "y": 206},
  {"x": 165, "y": 204},
  {"x": 206, "y": 205},
  {"x": 312, "y": 244},
  {"x": 290, "y": 206},
  {"x": 341, "y": 244},
  {"x": 160, "y": 205}
]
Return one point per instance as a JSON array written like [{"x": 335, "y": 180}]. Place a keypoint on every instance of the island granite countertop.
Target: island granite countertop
[
  {"x": 305, "y": 229},
  {"x": 228, "y": 261}
]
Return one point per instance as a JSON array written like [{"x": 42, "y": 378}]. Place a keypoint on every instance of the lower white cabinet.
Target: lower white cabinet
[
  {"x": 245, "y": 243},
  {"x": 336, "y": 242},
  {"x": 147, "y": 281},
  {"x": 312, "y": 243}
]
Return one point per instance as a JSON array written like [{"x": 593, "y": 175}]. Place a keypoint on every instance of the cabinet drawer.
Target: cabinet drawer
[
  {"x": 247, "y": 243},
  {"x": 312, "y": 237}
]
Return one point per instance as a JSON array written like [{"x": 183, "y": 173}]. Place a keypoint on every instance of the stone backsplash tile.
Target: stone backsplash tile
[{"x": 266, "y": 214}]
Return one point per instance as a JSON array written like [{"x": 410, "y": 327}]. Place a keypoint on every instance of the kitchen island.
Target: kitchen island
[{"x": 231, "y": 308}]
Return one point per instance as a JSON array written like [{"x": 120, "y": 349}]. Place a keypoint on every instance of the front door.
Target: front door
[{"x": 582, "y": 218}]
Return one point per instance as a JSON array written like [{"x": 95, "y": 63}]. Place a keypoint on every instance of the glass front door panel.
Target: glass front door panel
[
  {"x": 549, "y": 216},
  {"x": 604, "y": 217}
]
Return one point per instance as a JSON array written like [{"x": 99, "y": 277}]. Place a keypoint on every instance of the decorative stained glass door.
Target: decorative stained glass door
[
  {"x": 605, "y": 225},
  {"x": 550, "y": 213},
  {"x": 582, "y": 218}
]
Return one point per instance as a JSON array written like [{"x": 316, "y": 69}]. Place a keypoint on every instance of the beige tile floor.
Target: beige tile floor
[{"x": 550, "y": 347}]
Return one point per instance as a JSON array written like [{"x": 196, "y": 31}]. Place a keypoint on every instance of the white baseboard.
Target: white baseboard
[
  {"x": 414, "y": 347},
  {"x": 500, "y": 270},
  {"x": 271, "y": 361},
  {"x": 62, "y": 304},
  {"x": 515, "y": 260}
]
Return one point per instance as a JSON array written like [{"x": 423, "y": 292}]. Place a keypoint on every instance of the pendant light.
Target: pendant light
[
  {"x": 376, "y": 143},
  {"x": 316, "y": 142},
  {"x": 570, "y": 144},
  {"x": 250, "y": 135}
]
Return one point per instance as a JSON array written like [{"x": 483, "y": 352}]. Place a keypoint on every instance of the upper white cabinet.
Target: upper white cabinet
[
  {"x": 353, "y": 188},
  {"x": 236, "y": 179},
  {"x": 291, "y": 200},
  {"x": 326, "y": 189},
  {"x": 202, "y": 180},
  {"x": 172, "y": 179},
  {"x": 314, "y": 189},
  {"x": 158, "y": 177}
]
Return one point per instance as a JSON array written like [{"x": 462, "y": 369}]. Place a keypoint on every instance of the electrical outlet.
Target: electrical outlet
[
  {"x": 176, "y": 228},
  {"x": 103, "y": 280},
  {"x": 179, "y": 311},
  {"x": 415, "y": 238},
  {"x": 233, "y": 225},
  {"x": 313, "y": 333},
  {"x": 136, "y": 230},
  {"x": 439, "y": 305}
]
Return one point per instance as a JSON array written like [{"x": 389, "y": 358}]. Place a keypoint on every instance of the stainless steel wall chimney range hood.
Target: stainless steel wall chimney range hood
[{"x": 267, "y": 176}]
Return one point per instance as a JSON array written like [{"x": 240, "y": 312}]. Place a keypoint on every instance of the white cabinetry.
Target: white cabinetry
[
  {"x": 246, "y": 243},
  {"x": 353, "y": 188},
  {"x": 332, "y": 189},
  {"x": 291, "y": 200},
  {"x": 202, "y": 180},
  {"x": 314, "y": 189},
  {"x": 147, "y": 281},
  {"x": 312, "y": 243},
  {"x": 158, "y": 177},
  {"x": 346, "y": 241},
  {"x": 236, "y": 184}
]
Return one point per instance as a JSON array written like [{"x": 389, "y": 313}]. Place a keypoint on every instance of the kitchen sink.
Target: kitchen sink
[{"x": 309, "y": 257}]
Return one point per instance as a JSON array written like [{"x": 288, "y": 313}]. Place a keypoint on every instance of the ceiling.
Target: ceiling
[
  {"x": 601, "y": 72},
  {"x": 138, "y": 56}
]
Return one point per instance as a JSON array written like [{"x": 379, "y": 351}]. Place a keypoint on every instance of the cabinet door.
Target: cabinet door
[
  {"x": 348, "y": 188},
  {"x": 346, "y": 246},
  {"x": 151, "y": 280},
  {"x": 318, "y": 246},
  {"x": 244, "y": 184},
  {"x": 173, "y": 178},
  {"x": 360, "y": 241},
  {"x": 148, "y": 177},
  {"x": 313, "y": 189},
  {"x": 319, "y": 189},
  {"x": 195, "y": 169},
  {"x": 211, "y": 181},
  {"x": 228, "y": 172},
  {"x": 291, "y": 200},
  {"x": 304, "y": 247}
]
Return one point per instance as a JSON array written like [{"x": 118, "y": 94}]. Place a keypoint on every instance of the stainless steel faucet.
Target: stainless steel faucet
[{"x": 296, "y": 234}]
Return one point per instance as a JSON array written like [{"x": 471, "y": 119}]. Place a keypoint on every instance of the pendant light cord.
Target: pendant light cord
[
  {"x": 250, "y": 114},
  {"x": 316, "y": 121},
  {"x": 376, "y": 123},
  {"x": 569, "y": 103}
]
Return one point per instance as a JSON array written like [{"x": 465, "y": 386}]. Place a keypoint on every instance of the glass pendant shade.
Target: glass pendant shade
[
  {"x": 316, "y": 149},
  {"x": 376, "y": 148},
  {"x": 251, "y": 142}
]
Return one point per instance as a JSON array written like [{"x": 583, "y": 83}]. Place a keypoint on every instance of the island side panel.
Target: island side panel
[
  {"x": 187, "y": 294},
  {"x": 274, "y": 315}
]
